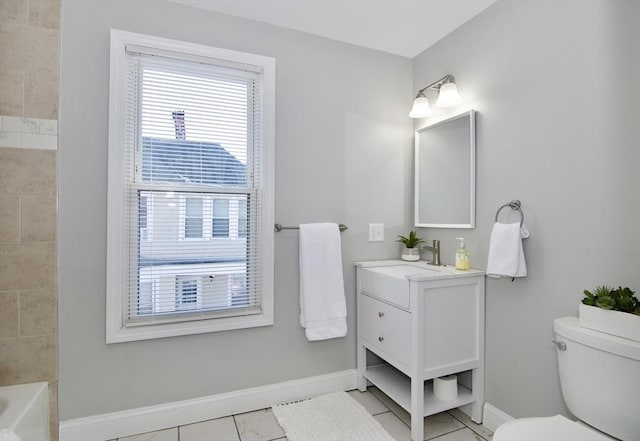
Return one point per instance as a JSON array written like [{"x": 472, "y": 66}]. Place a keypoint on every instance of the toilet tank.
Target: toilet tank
[{"x": 600, "y": 378}]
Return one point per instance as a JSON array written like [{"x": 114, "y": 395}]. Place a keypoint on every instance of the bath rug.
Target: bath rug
[{"x": 332, "y": 417}]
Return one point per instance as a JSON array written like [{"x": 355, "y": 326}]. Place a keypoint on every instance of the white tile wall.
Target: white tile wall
[{"x": 28, "y": 133}]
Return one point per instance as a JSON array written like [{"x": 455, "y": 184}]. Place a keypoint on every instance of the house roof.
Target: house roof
[{"x": 191, "y": 162}]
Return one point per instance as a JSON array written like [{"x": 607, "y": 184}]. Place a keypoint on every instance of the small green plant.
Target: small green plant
[
  {"x": 605, "y": 297},
  {"x": 410, "y": 242}
]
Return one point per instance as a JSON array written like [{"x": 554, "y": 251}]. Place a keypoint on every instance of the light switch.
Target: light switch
[{"x": 376, "y": 232}]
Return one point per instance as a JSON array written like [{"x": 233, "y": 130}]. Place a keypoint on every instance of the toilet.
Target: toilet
[{"x": 600, "y": 382}]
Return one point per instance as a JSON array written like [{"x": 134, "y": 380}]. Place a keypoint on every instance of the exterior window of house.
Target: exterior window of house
[
  {"x": 220, "y": 221},
  {"x": 188, "y": 293},
  {"x": 190, "y": 160},
  {"x": 193, "y": 218}
]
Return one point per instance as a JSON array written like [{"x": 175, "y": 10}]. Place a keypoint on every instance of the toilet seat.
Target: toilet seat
[{"x": 555, "y": 428}]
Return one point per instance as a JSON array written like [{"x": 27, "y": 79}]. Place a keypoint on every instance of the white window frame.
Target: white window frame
[{"x": 116, "y": 331}]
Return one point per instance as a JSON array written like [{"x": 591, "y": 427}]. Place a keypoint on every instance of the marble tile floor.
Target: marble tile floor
[{"x": 261, "y": 425}]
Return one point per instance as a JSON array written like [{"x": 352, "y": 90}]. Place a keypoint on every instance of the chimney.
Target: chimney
[{"x": 178, "y": 121}]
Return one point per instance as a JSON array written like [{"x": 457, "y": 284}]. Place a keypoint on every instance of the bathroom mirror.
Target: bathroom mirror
[{"x": 445, "y": 167}]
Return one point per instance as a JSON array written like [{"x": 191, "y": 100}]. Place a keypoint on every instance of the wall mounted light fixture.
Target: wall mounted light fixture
[{"x": 447, "y": 97}]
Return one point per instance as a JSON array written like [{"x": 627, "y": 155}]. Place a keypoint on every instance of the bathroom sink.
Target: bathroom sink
[
  {"x": 389, "y": 279},
  {"x": 418, "y": 271},
  {"x": 404, "y": 271}
]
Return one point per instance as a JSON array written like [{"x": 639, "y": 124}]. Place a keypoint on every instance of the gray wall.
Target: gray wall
[
  {"x": 555, "y": 84},
  {"x": 343, "y": 153}
]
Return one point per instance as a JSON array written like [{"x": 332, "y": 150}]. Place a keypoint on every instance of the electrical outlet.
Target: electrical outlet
[{"x": 376, "y": 232}]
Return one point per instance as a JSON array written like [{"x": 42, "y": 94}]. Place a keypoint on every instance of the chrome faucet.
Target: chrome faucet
[{"x": 435, "y": 250}]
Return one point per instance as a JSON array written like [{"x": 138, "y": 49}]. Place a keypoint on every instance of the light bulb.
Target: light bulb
[
  {"x": 448, "y": 96},
  {"x": 420, "y": 107}
]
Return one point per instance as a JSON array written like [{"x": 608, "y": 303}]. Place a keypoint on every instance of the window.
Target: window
[
  {"x": 193, "y": 218},
  {"x": 188, "y": 293},
  {"x": 190, "y": 226},
  {"x": 220, "y": 221}
]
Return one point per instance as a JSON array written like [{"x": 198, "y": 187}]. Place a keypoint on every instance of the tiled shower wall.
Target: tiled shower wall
[{"x": 29, "y": 46}]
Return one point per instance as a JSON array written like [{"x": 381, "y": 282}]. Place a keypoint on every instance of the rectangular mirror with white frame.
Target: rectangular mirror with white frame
[{"x": 445, "y": 169}]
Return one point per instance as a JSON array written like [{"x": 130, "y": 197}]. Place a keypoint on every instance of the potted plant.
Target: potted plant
[
  {"x": 410, "y": 251},
  {"x": 613, "y": 311}
]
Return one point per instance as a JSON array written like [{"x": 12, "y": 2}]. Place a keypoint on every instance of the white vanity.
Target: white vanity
[{"x": 421, "y": 322}]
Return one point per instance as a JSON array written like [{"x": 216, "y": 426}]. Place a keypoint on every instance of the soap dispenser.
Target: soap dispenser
[{"x": 462, "y": 256}]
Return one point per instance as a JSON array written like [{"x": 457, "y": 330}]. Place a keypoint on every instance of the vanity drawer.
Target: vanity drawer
[
  {"x": 389, "y": 342},
  {"x": 379, "y": 315}
]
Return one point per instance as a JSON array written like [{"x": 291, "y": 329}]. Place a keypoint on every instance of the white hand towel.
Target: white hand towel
[
  {"x": 506, "y": 255},
  {"x": 323, "y": 309}
]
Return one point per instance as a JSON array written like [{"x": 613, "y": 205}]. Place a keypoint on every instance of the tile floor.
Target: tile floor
[{"x": 261, "y": 425}]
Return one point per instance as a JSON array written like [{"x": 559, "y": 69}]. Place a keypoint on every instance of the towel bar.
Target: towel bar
[
  {"x": 514, "y": 205},
  {"x": 278, "y": 227}
]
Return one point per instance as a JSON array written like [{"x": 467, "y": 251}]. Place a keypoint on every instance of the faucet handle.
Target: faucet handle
[{"x": 430, "y": 244}]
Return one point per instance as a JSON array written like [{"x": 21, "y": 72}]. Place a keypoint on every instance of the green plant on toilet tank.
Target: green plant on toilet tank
[
  {"x": 620, "y": 299},
  {"x": 612, "y": 311},
  {"x": 410, "y": 251}
]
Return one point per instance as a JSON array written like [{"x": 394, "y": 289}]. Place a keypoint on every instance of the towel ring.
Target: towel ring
[{"x": 514, "y": 205}]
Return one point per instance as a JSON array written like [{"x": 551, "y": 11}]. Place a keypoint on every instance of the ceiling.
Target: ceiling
[{"x": 402, "y": 27}]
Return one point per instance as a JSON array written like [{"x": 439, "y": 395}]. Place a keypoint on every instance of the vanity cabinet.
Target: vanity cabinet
[{"x": 421, "y": 322}]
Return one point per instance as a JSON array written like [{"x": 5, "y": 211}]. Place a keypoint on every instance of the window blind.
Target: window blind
[{"x": 193, "y": 189}]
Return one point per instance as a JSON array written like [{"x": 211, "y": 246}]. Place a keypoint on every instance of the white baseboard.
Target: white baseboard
[
  {"x": 147, "y": 419},
  {"x": 494, "y": 417}
]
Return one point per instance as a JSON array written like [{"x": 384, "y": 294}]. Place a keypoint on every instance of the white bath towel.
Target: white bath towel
[
  {"x": 506, "y": 255},
  {"x": 323, "y": 309}
]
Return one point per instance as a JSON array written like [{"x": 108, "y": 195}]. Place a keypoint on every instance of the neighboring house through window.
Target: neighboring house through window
[
  {"x": 190, "y": 189},
  {"x": 220, "y": 221},
  {"x": 188, "y": 295},
  {"x": 193, "y": 218}
]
